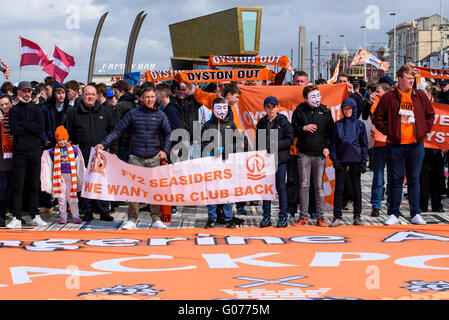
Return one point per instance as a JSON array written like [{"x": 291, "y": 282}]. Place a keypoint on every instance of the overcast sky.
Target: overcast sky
[{"x": 50, "y": 22}]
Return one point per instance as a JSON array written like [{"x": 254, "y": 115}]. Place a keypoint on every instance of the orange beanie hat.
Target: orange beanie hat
[{"x": 61, "y": 133}]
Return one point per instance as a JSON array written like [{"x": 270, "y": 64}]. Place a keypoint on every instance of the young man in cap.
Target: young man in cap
[
  {"x": 26, "y": 125},
  {"x": 272, "y": 122}
]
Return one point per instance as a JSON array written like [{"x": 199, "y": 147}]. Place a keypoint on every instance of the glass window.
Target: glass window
[{"x": 249, "y": 22}]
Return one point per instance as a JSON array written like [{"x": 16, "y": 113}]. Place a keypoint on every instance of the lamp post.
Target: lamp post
[
  {"x": 394, "y": 45},
  {"x": 442, "y": 37},
  {"x": 328, "y": 60},
  {"x": 344, "y": 48},
  {"x": 364, "y": 47}
]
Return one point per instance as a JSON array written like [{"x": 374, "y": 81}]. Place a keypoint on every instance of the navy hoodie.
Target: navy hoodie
[{"x": 349, "y": 140}]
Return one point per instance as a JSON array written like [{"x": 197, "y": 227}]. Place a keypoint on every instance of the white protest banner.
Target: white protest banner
[{"x": 244, "y": 176}]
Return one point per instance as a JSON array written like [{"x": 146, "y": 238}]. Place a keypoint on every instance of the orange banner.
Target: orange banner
[
  {"x": 422, "y": 72},
  {"x": 438, "y": 137},
  {"x": 280, "y": 61},
  {"x": 348, "y": 262},
  {"x": 250, "y": 111},
  {"x": 198, "y": 76}
]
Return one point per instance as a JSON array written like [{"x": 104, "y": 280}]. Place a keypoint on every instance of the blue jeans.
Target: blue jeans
[
  {"x": 195, "y": 152},
  {"x": 212, "y": 212},
  {"x": 378, "y": 163},
  {"x": 404, "y": 159},
  {"x": 281, "y": 189}
]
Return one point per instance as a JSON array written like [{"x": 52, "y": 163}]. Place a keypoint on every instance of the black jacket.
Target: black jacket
[
  {"x": 26, "y": 125},
  {"x": 125, "y": 103},
  {"x": 312, "y": 144},
  {"x": 149, "y": 129},
  {"x": 222, "y": 143},
  {"x": 53, "y": 118},
  {"x": 87, "y": 127},
  {"x": 188, "y": 111},
  {"x": 284, "y": 139}
]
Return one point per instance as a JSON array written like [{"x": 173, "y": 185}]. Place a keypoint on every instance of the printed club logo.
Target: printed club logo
[
  {"x": 98, "y": 164},
  {"x": 255, "y": 166}
]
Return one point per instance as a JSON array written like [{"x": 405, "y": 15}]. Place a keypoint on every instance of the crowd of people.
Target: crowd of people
[{"x": 48, "y": 130}]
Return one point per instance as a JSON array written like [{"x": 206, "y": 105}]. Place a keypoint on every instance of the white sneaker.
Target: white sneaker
[
  {"x": 37, "y": 221},
  {"x": 14, "y": 224},
  {"x": 392, "y": 220},
  {"x": 158, "y": 225},
  {"x": 418, "y": 220},
  {"x": 129, "y": 225}
]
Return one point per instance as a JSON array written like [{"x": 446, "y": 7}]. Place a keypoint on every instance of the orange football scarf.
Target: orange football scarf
[
  {"x": 57, "y": 177},
  {"x": 280, "y": 61},
  {"x": 6, "y": 142},
  {"x": 161, "y": 75},
  {"x": 225, "y": 75}
]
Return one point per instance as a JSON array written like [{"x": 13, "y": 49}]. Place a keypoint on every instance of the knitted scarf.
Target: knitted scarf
[
  {"x": 57, "y": 177},
  {"x": 6, "y": 142}
]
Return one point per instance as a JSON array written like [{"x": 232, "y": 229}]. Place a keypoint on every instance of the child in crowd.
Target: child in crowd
[
  {"x": 62, "y": 174},
  {"x": 273, "y": 120},
  {"x": 349, "y": 153}
]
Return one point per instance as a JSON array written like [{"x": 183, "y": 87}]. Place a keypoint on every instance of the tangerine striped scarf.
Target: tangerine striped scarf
[{"x": 57, "y": 176}]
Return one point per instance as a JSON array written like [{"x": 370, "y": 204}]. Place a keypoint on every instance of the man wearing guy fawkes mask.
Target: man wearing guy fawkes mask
[
  {"x": 313, "y": 125},
  {"x": 218, "y": 146}
]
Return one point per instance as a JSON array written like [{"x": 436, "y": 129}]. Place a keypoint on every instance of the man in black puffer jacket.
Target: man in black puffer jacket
[
  {"x": 87, "y": 124},
  {"x": 148, "y": 125}
]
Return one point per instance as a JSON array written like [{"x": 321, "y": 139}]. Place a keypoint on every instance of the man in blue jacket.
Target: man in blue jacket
[
  {"x": 349, "y": 153},
  {"x": 146, "y": 124}
]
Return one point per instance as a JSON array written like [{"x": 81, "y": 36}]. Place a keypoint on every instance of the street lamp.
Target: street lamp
[
  {"x": 328, "y": 60},
  {"x": 344, "y": 48},
  {"x": 364, "y": 47},
  {"x": 394, "y": 45}
]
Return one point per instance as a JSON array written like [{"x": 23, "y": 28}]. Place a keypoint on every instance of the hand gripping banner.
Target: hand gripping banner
[
  {"x": 280, "y": 61},
  {"x": 198, "y": 76}
]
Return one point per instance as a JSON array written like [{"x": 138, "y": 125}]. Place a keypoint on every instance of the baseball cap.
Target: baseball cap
[
  {"x": 109, "y": 93},
  {"x": 24, "y": 85},
  {"x": 271, "y": 100}
]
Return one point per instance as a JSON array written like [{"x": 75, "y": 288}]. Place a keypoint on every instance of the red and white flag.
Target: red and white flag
[
  {"x": 60, "y": 66},
  {"x": 31, "y": 54}
]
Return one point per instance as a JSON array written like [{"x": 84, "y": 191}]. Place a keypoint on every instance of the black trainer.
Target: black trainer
[
  {"x": 210, "y": 224},
  {"x": 266, "y": 222},
  {"x": 237, "y": 221},
  {"x": 282, "y": 222},
  {"x": 230, "y": 224},
  {"x": 106, "y": 217},
  {"x": 375, "y": 212},
  {"x": 88, "y": 217}
]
